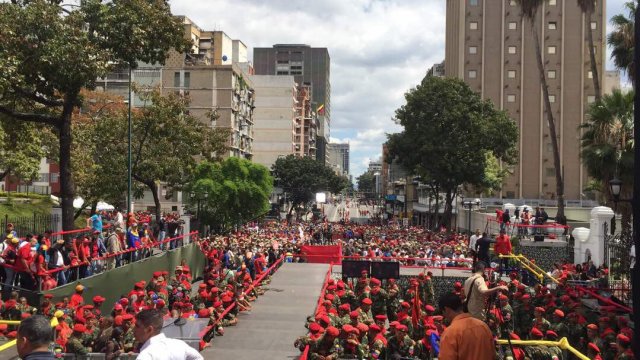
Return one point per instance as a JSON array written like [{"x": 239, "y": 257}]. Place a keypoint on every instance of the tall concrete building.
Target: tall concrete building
[
  {"x": 309, "y": 66},
  {"x": 306, "y": 123},
  {"x": 339, "y": 157},
  {"x": 274, "y": 118},
  {"x": 492, "y": 49}
]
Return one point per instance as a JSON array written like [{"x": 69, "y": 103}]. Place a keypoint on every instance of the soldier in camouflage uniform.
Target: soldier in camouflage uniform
[
  {"x": 74, "y": 344},
  {"x": 537, "y": 352},
  {"x": 624, "y": 351},
  {"x": 507, "y": 316},
  {"x": 128, "y": 337},
  {"x": 393, "y": 299},
  {"x": 350, "y": 345},
  {"x": 365, "y": 315},
  {"x": 362, "y": 284},
  {"x": 401, "y": 345},
  {"x": 539, "y": 321},
  {"x": 555, "y": 351},
  {"x": 575, "y": 332},
  {"x": 327, "y": 346},
  {"x": 522, "y": 315},
  {"x": 315, "y": 333},
  {"x": 377, "y": 342},
  {"x": 558, "y": 324},
  {"x": 342, "y": 317},
  {"x": 378, "y": 298},
  {"x": 426, "y": 289}
]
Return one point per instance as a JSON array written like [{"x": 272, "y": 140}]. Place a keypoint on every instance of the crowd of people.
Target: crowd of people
[{"x": 43, "y": 262}]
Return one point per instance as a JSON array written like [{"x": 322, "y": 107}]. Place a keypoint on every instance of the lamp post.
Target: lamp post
[
  {"x": 469, "y": 205},
  {"x": 635, "y": 272},
  {"x": 129, "y": 149}
]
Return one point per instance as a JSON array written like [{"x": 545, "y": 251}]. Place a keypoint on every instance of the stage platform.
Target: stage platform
[{"x": 277, "y": 318}]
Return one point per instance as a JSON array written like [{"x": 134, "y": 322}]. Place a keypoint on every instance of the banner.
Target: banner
[{"x": 322, "y": 254}]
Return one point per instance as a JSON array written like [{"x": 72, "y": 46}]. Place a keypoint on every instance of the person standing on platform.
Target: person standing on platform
[
  {"x": 503, "y": 247},
  {"x": 482, "y": 248}
]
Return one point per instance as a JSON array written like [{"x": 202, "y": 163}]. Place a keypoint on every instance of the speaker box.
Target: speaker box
[
  {"x": 385, "y": 270},
  {"x": 353, "y": 268}
]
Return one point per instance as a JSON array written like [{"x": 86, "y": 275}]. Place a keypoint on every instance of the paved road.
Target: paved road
[
  {"x": 277, "y": 318},
  {"x": 356, "y": 213}
]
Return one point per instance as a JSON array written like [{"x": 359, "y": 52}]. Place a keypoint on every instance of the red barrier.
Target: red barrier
[
  {"x": 305, "y": 353},
  {"x": 604, "y": 299},
  {"x": 322, "y": 254},
  {"x": 553, "y": 225}
]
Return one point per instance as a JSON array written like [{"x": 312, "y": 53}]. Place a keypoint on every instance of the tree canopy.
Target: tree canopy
[
  {"x": 302, "y": 177},
  {"x": 450, "y": 134},
  {"x": 59, "y": 49},
  {"x": 229, "y": 193},
  {"x": 367, "y": 184}
]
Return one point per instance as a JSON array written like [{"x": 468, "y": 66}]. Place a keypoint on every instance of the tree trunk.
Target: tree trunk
[
  {"x": 153, "y": 186},
  {"x": 592, "y": 57},
  {"x": 67, "y": 188},
  {"x": 552, "y": 125},
  {"x": 436, "y": 223},
  {"x": 448, "y": 210}
]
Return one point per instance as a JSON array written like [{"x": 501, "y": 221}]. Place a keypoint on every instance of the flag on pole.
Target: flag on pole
[
  {"x": 415, "y": 309},
  {"x": 320, "y": 109}
]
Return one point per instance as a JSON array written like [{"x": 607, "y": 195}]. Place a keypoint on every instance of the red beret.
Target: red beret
[
  {"x": 345, "y": 307},
  {"x": 551, "y": 333},
  {"x": 592, "y": 326},
  {"x": 402, "y": 328},
  {"x": 503, "y": 297},
  {"x": 88, "y": 307},
  {"x": 157, "y": 274},
  {"x": 526, "y": 296},
  {"x": 203, "y": 313},
  {"x": 226, "y": 299},
  {"x": 594, "y": 347},
  {"x": 4, "y": 327},
  {"x": 214, "y": 290},
  {"x": 98, "y": 299},
  {"x": 332, "y": 331},
  {"x": 79, "y": 328},
  {"x": 405, "y": 305},
  {"x": 457, "y": 285},
  {"x": 535, "y": 332},
  {"x": 539, "y": 309},
  {"x": 25, "y": 315},
  {"x": 514, "y": 336},
  {"x": 375, "y": 282},
  {"x": 202, "y": 286},
  {"x": 364, "y": 328},
  {"x": 329, "y": 297},
  {"x": 124, "y": 301},
  {"x": 315, "y": 327},
  {"x": 366, "y": 301},
  {"x": 12, "y": 335},
  {"x": 160, "y": 303},
  {"x": 623, "y": 339},
  {"x": 381, "y": 318},
  {"x": 325, "y": 320},
  {"x": 375, "y": 327},
  {"x": 429, "y": 308},
  {"x": 217, "y": 304},
  {"x": 354, "y": 314},
  {"x": 559, "y": 313}
]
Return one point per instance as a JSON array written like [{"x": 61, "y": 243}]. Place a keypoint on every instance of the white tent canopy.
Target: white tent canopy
[{"x": 104, "y": 206}]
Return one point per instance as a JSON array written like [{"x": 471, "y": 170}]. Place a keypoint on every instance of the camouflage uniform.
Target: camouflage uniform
[
  {"x": 129, "y": 340},
  {"x": 404, "y": 347},
  {"x": 393, "y": 301},
  {"x": 555, "y": 351},
  {"x": 379, "y": 302},
  {"x": 508, "y": 317},
  {"x": 523, "y": 318},
  {"x": 365, "y": 317},
  {"x": 561, "y": 329},
  {"x": 537, "y": 352},
  {"x": 74, "y": 346},
  {"x": 377, "y": 346},
  {"x": 426, "y": 291},
  {"x": 543, "y": 325},
  {"x": 324, "y": 347}
]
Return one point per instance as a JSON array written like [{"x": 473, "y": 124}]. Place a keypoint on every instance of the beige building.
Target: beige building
[
  {"x": 307, "y": 123},
  {"x": 221, "y": 94},
  {"x": 492, "y": 49},
  {"x": 274, "y": 117},
  {"x": 611, "y": 81}
]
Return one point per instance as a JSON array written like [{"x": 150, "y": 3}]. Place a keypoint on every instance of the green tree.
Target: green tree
[
  {"x": 231, "y": 192},
  {"x": 621, "y": 39},
  {"x": 58, "y": 50},
  {"x": 21, "y": 149},
  {"x": 302, "y": 177},
  {"x": 607, "y": 146},
  {"x": 367, "y": 184},
  {"x": 588, "y": 7},
  {"x": 529, "y": 12},
  {"x": 167, "y": 143},
  {"x": 448, "y": 130}
]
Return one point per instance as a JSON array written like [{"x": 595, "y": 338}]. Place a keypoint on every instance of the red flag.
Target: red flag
[{"x": 415, "y": 308}]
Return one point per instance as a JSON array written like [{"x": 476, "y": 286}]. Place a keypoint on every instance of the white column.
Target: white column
[{"x": 595, "y": 243}]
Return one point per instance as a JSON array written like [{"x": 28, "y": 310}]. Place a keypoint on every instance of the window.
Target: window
[
  {"x": 551, "y": 50},
  {"x": 54, "y": 178},
  {"x": 187, "y": 79},
  {"x": 594, "y": 25},
  {"x": 511, "y": 194},
  {"x": 512, "y": 49},
  {"x": 473, "y": 2},
  {"x": 552, "y": 98},
  {"x": 590, "y": 75},
  {"x": 550, "y": 172},
  {"x": 283, "y": 61},
  {"x": 296, "y": 72},
  {"x": 472, "y": 74},
  {"x": 296, "y": 67},
  {"x": 590, "y": 99},
  {"x": 511, "y": 98},
  {"x": 552, "y": 25},
  {"x": 473, "y": 25},
  {"x": 552, "y": 2},
  {"x": 551, "y": 74},
  {"x": 282, "y": 73},
  {"x": 513, "y": 25},
  {"x": 473, "y": 50},
  {"x": 511, "y": 74},
  {"x": 43, "y": 177},
  {"x": 176, "y": 79}
]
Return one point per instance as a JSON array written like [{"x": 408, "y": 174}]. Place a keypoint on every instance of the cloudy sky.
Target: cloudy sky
[{"x": 379, "y": 49}]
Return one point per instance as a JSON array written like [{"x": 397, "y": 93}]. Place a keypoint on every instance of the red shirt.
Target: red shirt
[
  {"x": 24, "y": 253},
  {"x": 503, "y": 245}
]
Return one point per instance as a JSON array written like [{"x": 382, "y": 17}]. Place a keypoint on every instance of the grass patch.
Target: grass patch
[{"x": 25, "y": 207}]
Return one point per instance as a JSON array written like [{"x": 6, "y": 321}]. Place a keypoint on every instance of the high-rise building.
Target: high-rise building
[
  {"x": 274, "y": 118},
  {"x": 339, "y": 157},
  {"x": 375, "y": 166},
  {"x": 309, "y": 66},
  {"x": 306, "y": 123},
  {"x": 492, "y": 49}
]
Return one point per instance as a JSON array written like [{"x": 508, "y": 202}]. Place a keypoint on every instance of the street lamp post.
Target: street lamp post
[
  {"x": 635, "y": 272},
  {"x": 129, "y": 149},
  {"x": 469, "y": 205}
]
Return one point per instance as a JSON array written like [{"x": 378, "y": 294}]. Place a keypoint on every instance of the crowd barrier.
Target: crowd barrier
[
  {"x": 518, "y": 228},
  {"x": 5, "y": 346},
  {"x": 563, "y": 344},
  {"x": 106, "y": 262},
  {"x": 207, "y": 332},
  {"x": 609, "y": 302}
]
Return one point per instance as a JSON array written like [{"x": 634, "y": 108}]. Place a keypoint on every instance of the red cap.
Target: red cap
[
  {"x": 315, "y": 327},
  {"x": 375, "y": 327},
  {"x": 332, "y": 331},
  {"x": 429, "y": 308},
  {"x": 375, "y": 282},
  {"x": 503, "y": 297},
  {"x": 551, "y": 333},
  {"x": 363, "y": 328},
  {"x": 402, "y": 327},
  {"x": 594, "y": 347},
  {"x": 558, "y": 313},
  {"x": 623, "y": 339},
  {"x": 366, "y": 301},
  {"x": 160, "y": 303},
  {"x": 535, "y": 332},
  {"x": 117, "y": 307},
  {"x": 79, "y": 328},
  {"x": 345, "y": 307},
  {"x": 457, "y": 285},
  {"x": 354, "y": 314},
  {"x": 157, "y": 274}
]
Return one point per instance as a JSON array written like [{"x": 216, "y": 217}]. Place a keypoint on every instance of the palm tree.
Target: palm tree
[
  {"x": 607, "y": 145},
  {"x": 621, "y": 39},
  {"x": 529, "y": 10},
  {"x": 588, "y": 7}
]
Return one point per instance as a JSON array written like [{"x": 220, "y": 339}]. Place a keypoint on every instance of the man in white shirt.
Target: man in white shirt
[{"x": 155, "y": 346}]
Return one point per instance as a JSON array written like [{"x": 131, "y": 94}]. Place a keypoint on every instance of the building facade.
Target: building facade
[
  {"x": 306, "y": 123},
  {"x": 309, "y": 66},
  {"x": 339, "y": 158},
  {"x": 275, "y": 118},
  {"x": 492, "y": 49}
]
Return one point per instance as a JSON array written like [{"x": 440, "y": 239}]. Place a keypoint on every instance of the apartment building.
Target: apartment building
[{"x": 492, "y": 49}]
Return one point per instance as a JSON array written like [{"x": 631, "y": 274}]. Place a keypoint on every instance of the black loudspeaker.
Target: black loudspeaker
[
  {"x": 385, "y": 270},
  {"x": 353, "y": 268},
  {"x": 538, "y": 238}
]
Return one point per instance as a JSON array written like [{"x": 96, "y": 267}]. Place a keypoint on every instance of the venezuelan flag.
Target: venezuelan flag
[{"x": 320, "y": 109}]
